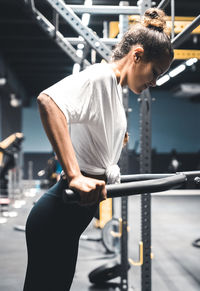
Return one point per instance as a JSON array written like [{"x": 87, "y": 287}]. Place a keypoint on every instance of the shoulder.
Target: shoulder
[{"x": 100, "y": 74}]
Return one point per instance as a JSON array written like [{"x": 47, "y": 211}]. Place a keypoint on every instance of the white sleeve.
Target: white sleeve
[{"x": 73, "y": 95}]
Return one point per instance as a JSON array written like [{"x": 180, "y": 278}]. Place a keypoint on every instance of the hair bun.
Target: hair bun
[{"x": 155, "y": 18}]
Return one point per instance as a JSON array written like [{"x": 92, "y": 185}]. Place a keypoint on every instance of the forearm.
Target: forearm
[{"x": 56, "y": 128}]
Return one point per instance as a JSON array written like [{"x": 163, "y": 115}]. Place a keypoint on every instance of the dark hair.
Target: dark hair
[{"x": 151, "y": 33}]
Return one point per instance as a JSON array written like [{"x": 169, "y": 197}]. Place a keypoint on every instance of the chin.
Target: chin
[{"x": 137, "y": 91}]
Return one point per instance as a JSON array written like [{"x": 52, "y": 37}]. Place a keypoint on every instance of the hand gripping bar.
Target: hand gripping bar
[{"x": 133, "y": 188}]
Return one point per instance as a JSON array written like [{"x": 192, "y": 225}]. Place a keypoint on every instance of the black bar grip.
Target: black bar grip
[{"x": 133, "y": 188}]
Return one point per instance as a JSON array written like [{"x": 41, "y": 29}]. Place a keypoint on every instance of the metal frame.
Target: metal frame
[
  {"x": 93, "y": 40},
  {"x": 106, "y": 41},
  {"x": 163, "y": 4},
  {"x": 105, "y": 10},
  {"x": 52, "y": 31},
  {"x": 183, "y": 36},
  {"x": 124, "y": 282},
  {"x": 145, "y": 167}
]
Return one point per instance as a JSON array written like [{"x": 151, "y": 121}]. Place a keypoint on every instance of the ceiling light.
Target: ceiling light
[
  {"x": 3, "y": 81},
  {"x": 177, "y": 70},
  {"x": 162, "y": 80},
  {"x": 190, "y": 62},
  {"x": 14, "y": 102}
]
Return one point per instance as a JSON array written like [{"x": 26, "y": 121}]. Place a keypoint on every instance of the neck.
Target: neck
[{"x": 120, "y": 71}]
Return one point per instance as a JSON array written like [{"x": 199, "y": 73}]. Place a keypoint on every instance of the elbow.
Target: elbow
[
  {"x": 42, "y": 99},
  {"x": 43, "y": 102}
]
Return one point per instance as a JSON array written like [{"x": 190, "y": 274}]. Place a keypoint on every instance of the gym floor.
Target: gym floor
[{"x": 175, "y": 264}]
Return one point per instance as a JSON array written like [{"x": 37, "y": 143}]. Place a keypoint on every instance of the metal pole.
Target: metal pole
[
  {"x": 145, "y": 167},
  {"x": 105, "y": 40},
  {"x": 105, "y": 9},
  {"x": 183, "y": 35},
  {"x": 163, "y": 4},
  {"x": 172, "y": 17},
  {"x": 123, "y": 27}
]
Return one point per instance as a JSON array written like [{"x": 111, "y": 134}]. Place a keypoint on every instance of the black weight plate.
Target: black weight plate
[{"x": 105, "y": 272}]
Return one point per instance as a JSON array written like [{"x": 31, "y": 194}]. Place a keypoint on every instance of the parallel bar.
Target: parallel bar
[
  {"x": 106, "y": 9},
  {"x": 142, "y": 177},
  {"x": 179, "y": 192},
  {"x": 133, "y": 188},
  {"x": 182, "y": 36}
]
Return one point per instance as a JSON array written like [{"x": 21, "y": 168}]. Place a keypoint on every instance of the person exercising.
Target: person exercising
[{"x": 91, "y": 103}]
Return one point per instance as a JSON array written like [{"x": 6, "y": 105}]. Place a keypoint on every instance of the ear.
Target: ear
[{"x": 137, "y": 53}]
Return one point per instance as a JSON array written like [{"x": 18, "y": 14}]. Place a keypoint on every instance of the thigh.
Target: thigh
[
  {"x": 52, "y": 233},
  {"x": 52, "y": 245}
]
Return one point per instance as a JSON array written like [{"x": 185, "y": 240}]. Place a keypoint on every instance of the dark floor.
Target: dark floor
[{"x": 176, "y": 263}]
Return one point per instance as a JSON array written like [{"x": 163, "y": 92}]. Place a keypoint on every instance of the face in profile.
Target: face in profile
[{"x": 144, "y": 74}]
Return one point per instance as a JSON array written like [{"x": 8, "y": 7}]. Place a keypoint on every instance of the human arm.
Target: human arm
[{"x": 56, "y": 127}]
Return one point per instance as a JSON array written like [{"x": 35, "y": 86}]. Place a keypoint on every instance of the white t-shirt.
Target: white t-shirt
[{"x": 92, "y": 104}]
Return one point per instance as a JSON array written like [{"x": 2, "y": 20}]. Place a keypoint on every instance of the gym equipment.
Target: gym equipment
[
  {"x": 141, "y": 184},
  {"x": 134, "y": 188},
  {"x": 110, "y": 236},
  {"x": 9, "y": 147},
  {"x": 106, "y": 272}
]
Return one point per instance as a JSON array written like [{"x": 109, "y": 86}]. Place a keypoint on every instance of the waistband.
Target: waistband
[{"x": 57, "y": 189}]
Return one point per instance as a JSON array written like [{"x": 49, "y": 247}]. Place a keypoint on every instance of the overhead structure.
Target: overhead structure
[
  {"x": 183, "y": 36},
  {"x": 52, "y": 31},
  {"x": 68, "y": 13},
  {"x": 106, "y": 10}
]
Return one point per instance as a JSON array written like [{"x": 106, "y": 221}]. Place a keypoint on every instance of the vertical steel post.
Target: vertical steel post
[
  {"x": 145, "y": 167},
  {"x": 123, "y": 27}
]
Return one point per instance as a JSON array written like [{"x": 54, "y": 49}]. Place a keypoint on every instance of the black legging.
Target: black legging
[{"x": 53, "y": 229}]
